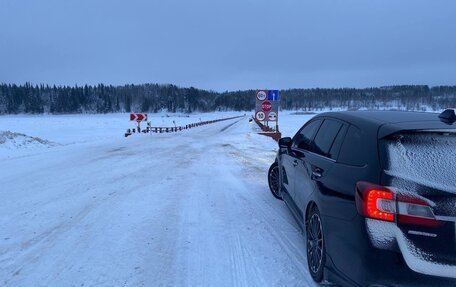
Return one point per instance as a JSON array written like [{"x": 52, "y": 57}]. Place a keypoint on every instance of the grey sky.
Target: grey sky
[{"x": 229, "y": 44}]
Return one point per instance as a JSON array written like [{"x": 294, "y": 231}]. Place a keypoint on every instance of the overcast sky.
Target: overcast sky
[{"x": 229, "y": 44}]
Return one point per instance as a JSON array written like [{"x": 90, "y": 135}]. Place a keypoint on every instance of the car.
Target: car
[{"x": 375, "y": 195}]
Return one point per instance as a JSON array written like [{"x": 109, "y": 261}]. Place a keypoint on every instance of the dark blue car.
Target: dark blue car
[{"x": 375, "y": 193}]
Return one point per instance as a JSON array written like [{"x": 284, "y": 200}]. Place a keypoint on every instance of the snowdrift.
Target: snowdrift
[{"x": 12, "y": 140}]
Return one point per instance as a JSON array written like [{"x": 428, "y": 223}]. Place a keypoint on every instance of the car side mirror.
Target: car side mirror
[{"x": 285, "y": 142}]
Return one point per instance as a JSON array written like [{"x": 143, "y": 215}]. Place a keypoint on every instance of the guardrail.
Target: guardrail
[
  {"x": 263, "y": 127},
  {"x": 160, "y": 130}
]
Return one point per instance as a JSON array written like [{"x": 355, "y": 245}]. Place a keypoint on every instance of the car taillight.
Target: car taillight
[
  {"x": 375, "y": 201},
  {"x": 378, "y": 202},
  {"x": 416, "y": 212}
]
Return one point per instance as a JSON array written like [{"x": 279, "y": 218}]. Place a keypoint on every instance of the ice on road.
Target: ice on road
[{"x": 185, "y": 209}]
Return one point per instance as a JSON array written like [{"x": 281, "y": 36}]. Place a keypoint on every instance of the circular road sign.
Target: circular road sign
[
  {"x": 260, "y": 116},
  {"x": 261, "y": 95},
  {"x": 272, "y": 116},
  {"x": 266, "y": 106}
]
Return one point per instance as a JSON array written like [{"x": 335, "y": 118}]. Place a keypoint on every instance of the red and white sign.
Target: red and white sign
[
  {"x": 260, "y": 115},
  {"x": 138, "y": 117},
  {"x": 266, "y": 106},
  {"x": 261, "y": 95}
]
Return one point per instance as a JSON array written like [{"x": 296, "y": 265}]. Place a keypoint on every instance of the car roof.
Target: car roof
[{"x": 389, "y": 122}]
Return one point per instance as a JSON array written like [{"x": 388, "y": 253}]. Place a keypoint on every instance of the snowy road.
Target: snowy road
[{"x": 186, "y": 209}]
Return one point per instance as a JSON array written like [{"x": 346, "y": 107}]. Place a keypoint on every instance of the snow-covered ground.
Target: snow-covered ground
[{"x": 184, "y": 209}]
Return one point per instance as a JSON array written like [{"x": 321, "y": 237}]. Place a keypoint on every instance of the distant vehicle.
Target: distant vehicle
[{"x": 375, "y": 193}]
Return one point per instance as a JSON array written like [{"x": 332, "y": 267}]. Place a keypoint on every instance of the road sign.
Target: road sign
[
  {"x": 272, "y": 116},
  {"x": 273, "y": 95},
  {"x": 138, "y": 117},
  {"x": 261, "y": 95},
  {"x": 266, "y": 106},
  {"x": 260, "y": 115}
]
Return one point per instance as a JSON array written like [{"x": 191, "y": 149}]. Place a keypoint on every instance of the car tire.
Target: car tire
[
  {"x": 316, "y": 251},
  {"x": 274, "y": 181}
]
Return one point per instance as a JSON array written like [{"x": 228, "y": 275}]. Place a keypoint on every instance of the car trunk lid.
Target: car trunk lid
[{"x": 420, "y": 167}]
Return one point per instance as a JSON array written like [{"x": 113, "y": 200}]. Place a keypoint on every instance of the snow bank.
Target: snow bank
[{"x": 12, "y": 140}]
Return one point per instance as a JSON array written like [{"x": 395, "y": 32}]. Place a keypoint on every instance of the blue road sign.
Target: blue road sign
[{"x": 273, "y": 95}]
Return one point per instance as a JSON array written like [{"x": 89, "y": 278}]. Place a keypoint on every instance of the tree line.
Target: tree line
[{"x": 37, "y": 99}]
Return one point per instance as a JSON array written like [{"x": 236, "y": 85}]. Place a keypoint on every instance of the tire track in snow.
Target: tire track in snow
[
  {"x": 290, "y": 248},
  {"x": 230, "y": 125},
  {"x": 33, "y": 249}
]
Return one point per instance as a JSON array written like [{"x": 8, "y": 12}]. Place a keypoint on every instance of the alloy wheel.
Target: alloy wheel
[{"x": 315, "y": 243}]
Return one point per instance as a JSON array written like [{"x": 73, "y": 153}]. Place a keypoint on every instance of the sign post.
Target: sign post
[
  {"x": 138, "y": 118},
  {"x": 267, "y": 107}
]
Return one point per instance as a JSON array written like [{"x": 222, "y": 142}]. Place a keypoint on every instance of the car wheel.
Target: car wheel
[
  {"x": 274, "y": 180},
  {"x": 316, "y": 252}
]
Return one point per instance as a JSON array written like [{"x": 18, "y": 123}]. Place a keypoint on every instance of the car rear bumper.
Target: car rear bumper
[
  {"x": 418, "y": 262},
  {"x": 359, "y": 256},
  {"x": 388, "y": 236}
]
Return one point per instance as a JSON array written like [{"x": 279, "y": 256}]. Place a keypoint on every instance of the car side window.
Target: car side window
[
  {"x": 335, "y": 148},
  {"x": 303, "y": 139},
  {"x": 353, "y": 150},
  {"x": 326, "y": 136}
]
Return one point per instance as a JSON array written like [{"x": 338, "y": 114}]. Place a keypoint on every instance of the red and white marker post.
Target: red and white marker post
[{"x": 138, "y": 117}]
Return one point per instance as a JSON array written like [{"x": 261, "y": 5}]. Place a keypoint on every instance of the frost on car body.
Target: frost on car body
[{"x": 420, "y": 167}]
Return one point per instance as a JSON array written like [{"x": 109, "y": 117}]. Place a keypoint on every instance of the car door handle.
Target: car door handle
[
  {"x": 295, "y": 162},
  {"x": 316, "y": 174}
]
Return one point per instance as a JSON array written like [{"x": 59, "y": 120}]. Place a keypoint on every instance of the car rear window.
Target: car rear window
[{"x": 425, "y": 157}]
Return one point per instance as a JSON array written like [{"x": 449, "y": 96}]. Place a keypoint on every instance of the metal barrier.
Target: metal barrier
[
  {"x": 268, "y": 131},
  {"x": 150, "y": 129}
]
